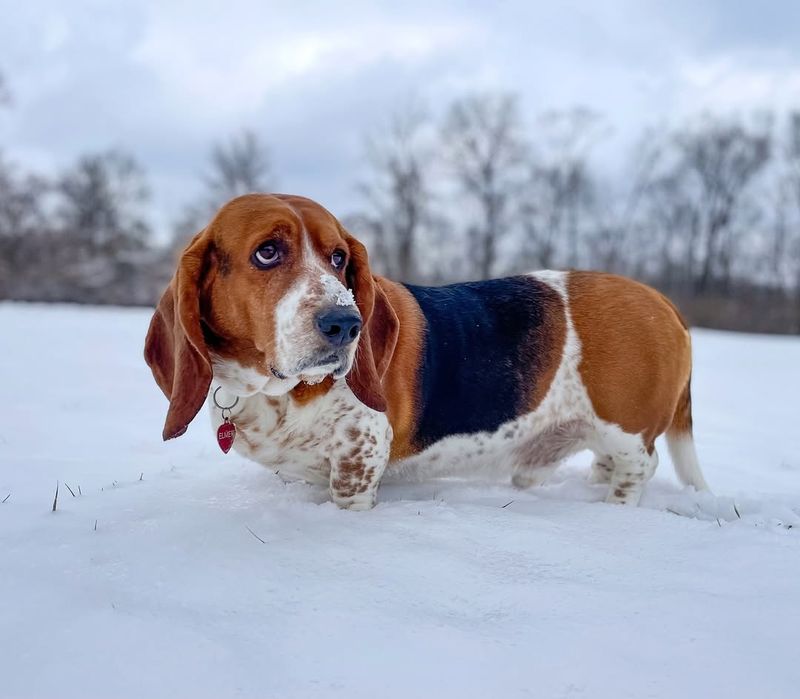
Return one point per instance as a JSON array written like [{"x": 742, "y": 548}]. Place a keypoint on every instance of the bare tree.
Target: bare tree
[
  {"x": 557, "y": 201},
  {"x": 102, "y": 230},
  {"x": 102, "y": 201},
  {"x": 697, "y": 199},
  {"x": 238, "y": 166},
  {"x": 22, "y": 221},
  {"x": 486, "y": 151},
  {"x": 638, "y": 248},
  {"x": 81, "y": 238},
  {"x": 721, "y": 159},
  {"x": 786, "y": 246},
  {"x": 397, "y": 193},
  {"x": 540, "y": 213},
  {"x": 672, "y": 224},
  {"x": 23, "y": 224},
  {"x": 660, "y": 216}
]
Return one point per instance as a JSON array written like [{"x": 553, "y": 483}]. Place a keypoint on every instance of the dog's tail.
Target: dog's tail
[{"x": 680, "y": 442}]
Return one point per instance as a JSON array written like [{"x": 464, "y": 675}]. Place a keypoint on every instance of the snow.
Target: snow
[
  {"x": 337, "y": 291},
  {"x": 154, "y": 581}
]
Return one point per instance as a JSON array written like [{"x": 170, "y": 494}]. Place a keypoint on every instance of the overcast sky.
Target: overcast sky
[{"x": 164, "y": 80}]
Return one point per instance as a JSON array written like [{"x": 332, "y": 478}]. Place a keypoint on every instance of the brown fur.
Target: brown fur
[
  {"x": 402, "y": 375},
  {"x": 549, "y": 345},
  {"x": 304, "y": 393},
  {"x": 378, "y": 338},
  {"x": 635, "y": 352},
  {"x": 175, "y": 348},
  {"x": 682, "y": 420}
]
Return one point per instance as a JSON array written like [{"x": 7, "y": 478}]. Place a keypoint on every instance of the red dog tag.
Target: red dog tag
[{"x": 226, "y": 433}]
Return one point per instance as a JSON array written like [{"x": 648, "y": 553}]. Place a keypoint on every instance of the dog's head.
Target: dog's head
[{"x": 272, "y": 292}]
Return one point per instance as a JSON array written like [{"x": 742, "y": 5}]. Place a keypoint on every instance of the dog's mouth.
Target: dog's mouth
[{"x": 314, "y": 369}]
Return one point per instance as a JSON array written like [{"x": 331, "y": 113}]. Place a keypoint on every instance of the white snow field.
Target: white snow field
[{"x": 176, "y": 571}]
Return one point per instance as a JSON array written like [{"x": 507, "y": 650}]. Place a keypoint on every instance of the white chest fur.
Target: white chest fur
[{"x": 305, "y": 442}]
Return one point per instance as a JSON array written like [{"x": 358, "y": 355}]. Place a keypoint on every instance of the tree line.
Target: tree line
[{"x": 708, "y": 211}]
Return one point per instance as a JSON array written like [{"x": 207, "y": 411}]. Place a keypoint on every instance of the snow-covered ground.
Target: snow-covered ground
[{"x": 176, "y": 571}]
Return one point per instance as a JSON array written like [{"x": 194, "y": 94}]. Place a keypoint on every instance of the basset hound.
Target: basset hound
[{"x": 339, "y": 372}]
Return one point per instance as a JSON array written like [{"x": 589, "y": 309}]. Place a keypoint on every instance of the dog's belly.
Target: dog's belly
[{"x": 299, "y": 442}]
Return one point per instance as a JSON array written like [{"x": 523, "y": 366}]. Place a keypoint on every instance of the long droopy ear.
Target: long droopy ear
[
  {"x": 379, "y": 334},
  {"x": 175, "y": 348}
]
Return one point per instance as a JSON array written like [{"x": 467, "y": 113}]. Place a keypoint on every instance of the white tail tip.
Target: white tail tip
[{"x": 684, "y": 458}]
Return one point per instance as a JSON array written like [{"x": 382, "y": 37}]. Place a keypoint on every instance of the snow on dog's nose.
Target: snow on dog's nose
[{"x": 336, "y": 291}]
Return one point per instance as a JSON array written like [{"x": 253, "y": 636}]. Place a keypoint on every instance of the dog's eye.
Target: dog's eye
[
  {"x": 337, "y": 258},
  {"x": 267, "y": 255}
]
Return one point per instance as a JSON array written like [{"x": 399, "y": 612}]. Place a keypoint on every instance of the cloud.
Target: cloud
[
  {"x": 164, "y": 80},
  {"x": 741, "y": 82}
]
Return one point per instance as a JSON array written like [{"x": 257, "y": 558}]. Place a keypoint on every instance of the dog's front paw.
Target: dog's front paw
[{"x": 361, "y": 501}]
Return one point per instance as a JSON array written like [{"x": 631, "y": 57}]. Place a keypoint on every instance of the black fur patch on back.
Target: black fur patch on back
[{"x": 483, "y": 344}]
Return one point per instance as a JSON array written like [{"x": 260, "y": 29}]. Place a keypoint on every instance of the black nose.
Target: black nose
[{"x": 339, "y": 327}]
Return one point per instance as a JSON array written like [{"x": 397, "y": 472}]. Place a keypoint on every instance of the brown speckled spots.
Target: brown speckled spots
[
  {"x": 351, "y": 467},
  {"x": 241, "y": 434}
]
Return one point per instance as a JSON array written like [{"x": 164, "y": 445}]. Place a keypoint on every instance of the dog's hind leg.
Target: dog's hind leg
[
  {"x": 602, "y": 468},
  {"x": 633, "y": 467}
]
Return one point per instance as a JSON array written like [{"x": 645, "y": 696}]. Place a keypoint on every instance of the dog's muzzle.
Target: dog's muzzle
[{"x": 339, "y": 327}]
